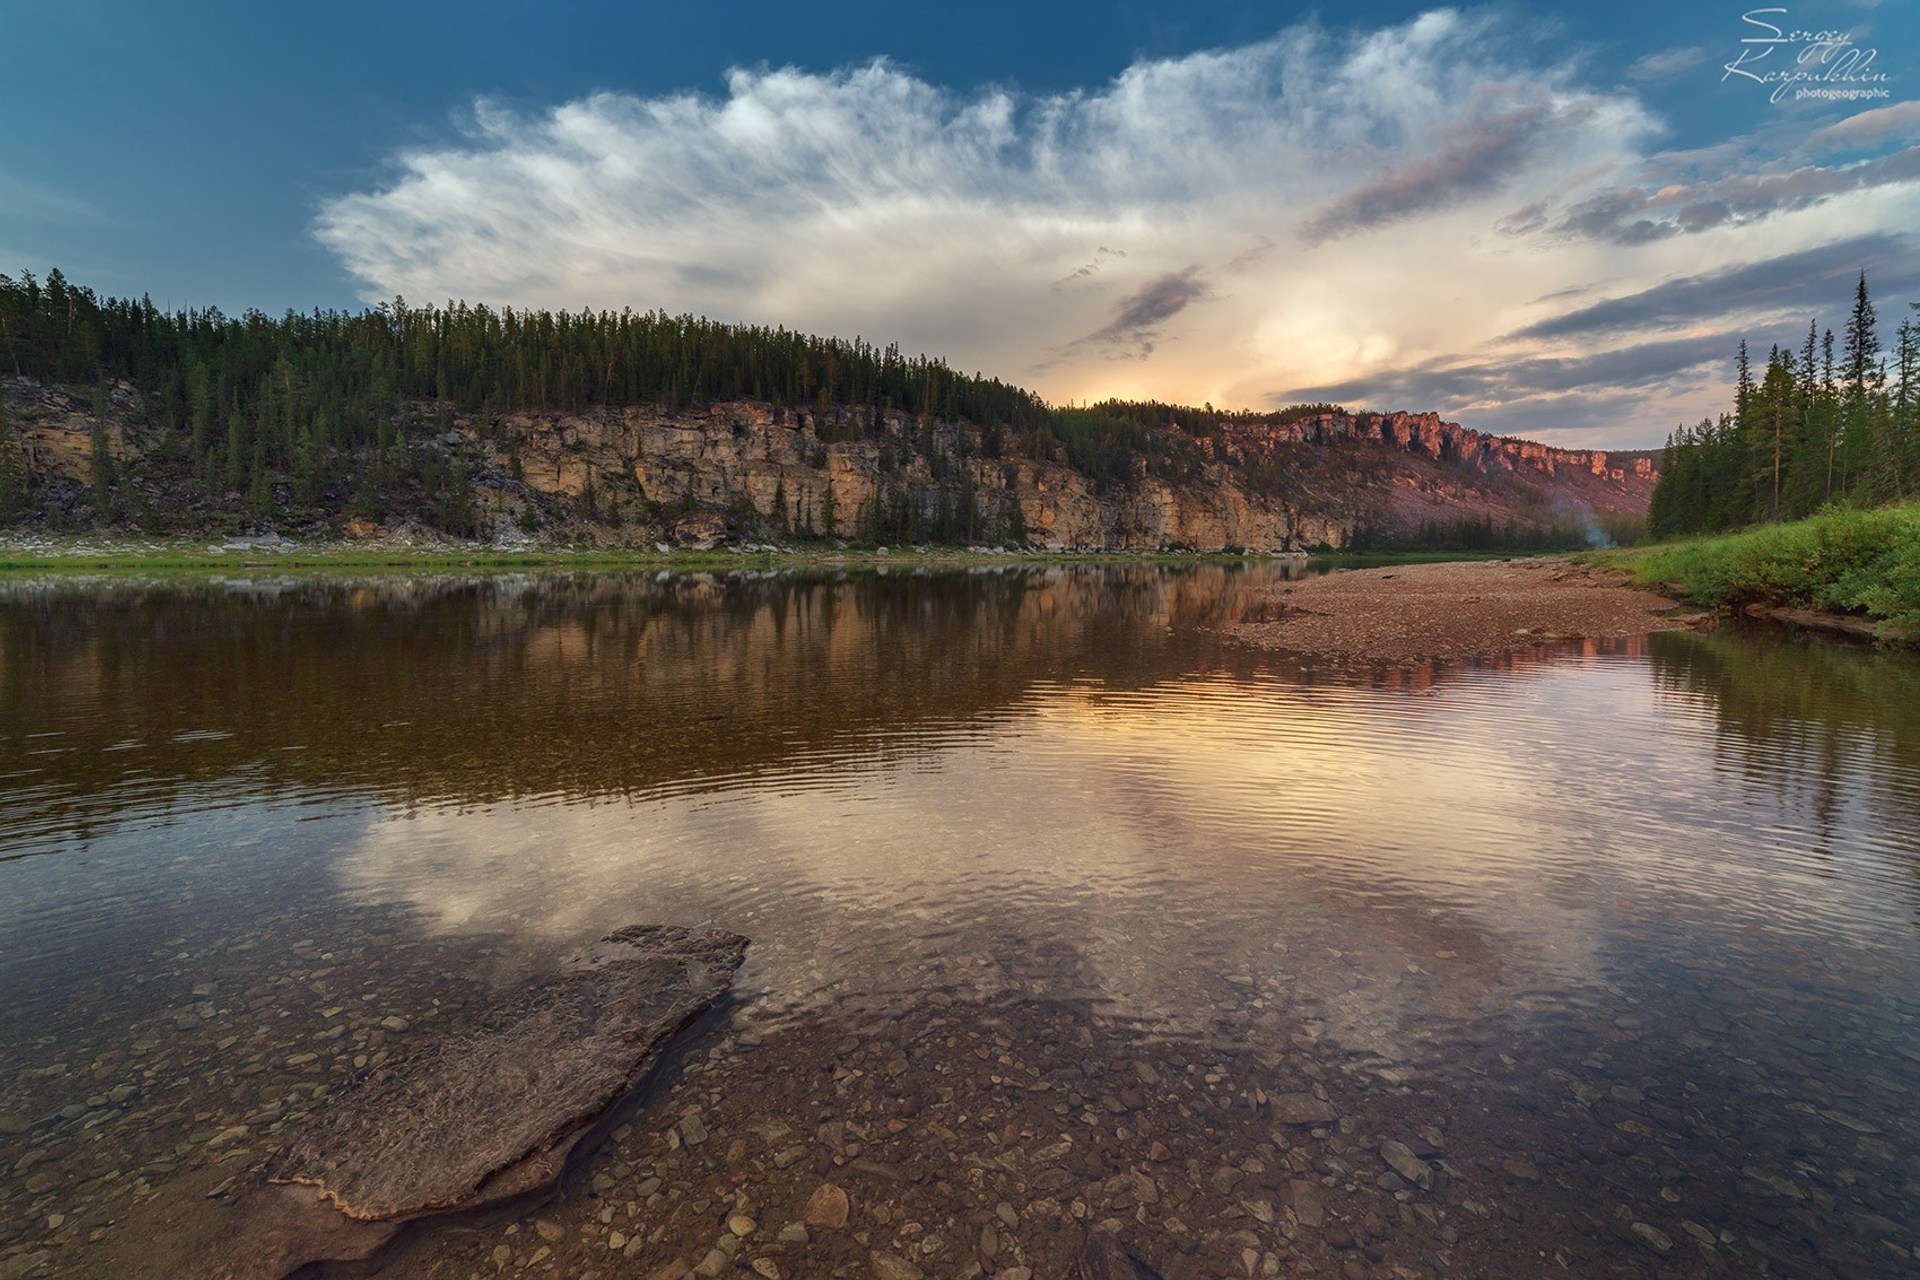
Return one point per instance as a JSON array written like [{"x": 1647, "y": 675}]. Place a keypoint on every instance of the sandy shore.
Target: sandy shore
[{"x": 1464, "y": 609}]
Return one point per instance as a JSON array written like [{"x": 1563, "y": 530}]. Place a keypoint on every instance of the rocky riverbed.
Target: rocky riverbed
[
  {"x": 968, "y": 1141},
  {"x": 1459, "y": 609},
  {"x": 1069, "y": 917},
  {"x": 972, "y": 1134}
]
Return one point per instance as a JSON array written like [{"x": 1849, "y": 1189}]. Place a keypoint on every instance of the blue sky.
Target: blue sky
[{"x": 1551, "y": 220}]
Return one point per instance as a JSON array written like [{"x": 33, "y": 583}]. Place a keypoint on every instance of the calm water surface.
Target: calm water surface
[{"x": 1624, "y": 941}]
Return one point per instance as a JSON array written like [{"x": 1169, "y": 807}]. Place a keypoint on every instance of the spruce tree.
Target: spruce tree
[
  {"x": 1830, "y": 418},
  {"x": 1861, "y": 364},
  {"x": 1906, "y": 397},
  {"x": 1778, "y": 404}
]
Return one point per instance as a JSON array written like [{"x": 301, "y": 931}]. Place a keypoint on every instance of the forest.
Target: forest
[
  {"x": 319, "y": 401},
  {"x": 312, "y": 419},
  {"x": 1811, "y": 428}
]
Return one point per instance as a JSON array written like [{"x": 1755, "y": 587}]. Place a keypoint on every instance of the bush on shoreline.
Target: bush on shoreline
[{"x": 1841, "y": 561}]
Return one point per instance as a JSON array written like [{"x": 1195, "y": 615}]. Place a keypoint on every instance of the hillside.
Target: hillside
[{"x": 471, "y": 423}]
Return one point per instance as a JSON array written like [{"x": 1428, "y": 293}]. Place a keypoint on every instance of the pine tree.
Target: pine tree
[
  {"x": 1016, "y": 523},
  {"x": 1814, "y": 429},
  {"x": 1884, "y": 478},
  {"x": 1863, "y": 342},
  {"x": 1778, "y": 403},
  {"x": 1861, "y": 364},
  {"x": 1830, "y": 419},
  {"x": 1743, "y": 384},
  {"x": 1906, "y": 397}
]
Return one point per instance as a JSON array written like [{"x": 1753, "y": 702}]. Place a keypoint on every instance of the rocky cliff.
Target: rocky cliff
[
  {"x": 754, "y": 470},
  {"x": 1318, "y": 482},
  {"x": 1427, "y": 435}
]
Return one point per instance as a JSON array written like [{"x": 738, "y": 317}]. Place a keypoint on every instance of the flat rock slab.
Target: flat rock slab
[
  {"x": 482, "y": 1116},
  {"x": 1400, "y": 1158},
  {"x": 1302, "y": 1108}
]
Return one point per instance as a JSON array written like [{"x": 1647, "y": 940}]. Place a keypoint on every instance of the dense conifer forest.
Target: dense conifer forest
[{"x": 1812, "y": 426}]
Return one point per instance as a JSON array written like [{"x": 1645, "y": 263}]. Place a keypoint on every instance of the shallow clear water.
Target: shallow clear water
[{"x": 1642, "y": 920}]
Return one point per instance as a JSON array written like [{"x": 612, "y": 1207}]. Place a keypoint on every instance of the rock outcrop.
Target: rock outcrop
[
  {"x": 482, "y": 1118},
  {"x": 1427, "y": 435},
  {"x": 763, "y": 458},
  {"x": 702, "y": 476}
]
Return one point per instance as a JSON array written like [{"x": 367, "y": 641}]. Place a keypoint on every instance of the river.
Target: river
[{"x": 1066, "y": 912}]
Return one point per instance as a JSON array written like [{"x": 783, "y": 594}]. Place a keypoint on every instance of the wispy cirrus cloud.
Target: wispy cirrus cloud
[
  {"x": 1638, "y": 215},
  {"x": 1139, "y": 317},
  {"x": 1663, "y": 63},
  {"x": 1316, "y": 210},
  {"x": 1546, "y": 396},
  {"x": 1800, "y": 283},
  {"x": 1640, "y": 365},
  {"x": 1479, "y": 157}
]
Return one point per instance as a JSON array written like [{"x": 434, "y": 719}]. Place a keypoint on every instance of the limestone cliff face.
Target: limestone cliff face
[
  {"x": 701, "y": 476},
  {"x": 762, "y": 456},
  {"x": 1426, "y": 434},
  {"x": 52, "y": 430}
]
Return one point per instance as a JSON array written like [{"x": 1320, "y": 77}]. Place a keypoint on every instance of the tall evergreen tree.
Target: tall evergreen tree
[
  {"x": 1906, "y": 394},
  {"x": 1813, "y": 429},
  {"x": 1861, "y": 364}
]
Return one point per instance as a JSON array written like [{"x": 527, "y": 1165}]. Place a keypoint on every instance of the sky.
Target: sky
[{"x": 1554, "y": 221}]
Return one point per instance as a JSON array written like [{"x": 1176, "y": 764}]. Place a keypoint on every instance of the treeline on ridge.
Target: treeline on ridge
[{"x": 307, "y": 399}]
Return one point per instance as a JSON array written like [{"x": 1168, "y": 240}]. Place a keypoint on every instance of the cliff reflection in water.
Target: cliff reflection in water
[
  {"x": 1675, "y": 877},
  {"x": 135, "y": 700},
  {"x": 488, "y": 689},
  {"x": 1048, "y": 741}
]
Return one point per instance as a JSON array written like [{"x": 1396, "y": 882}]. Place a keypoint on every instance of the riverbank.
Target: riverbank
[
  {"x": 152, "y": 555},
  {"x": 1849, "y": 572},
  {"x": 1462, "y": 609}
]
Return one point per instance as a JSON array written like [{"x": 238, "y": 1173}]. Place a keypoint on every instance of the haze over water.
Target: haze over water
[{"x": 1634, "y": 929}]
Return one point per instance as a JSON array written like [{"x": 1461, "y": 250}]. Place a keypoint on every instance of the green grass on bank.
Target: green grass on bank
[{"x": 1840, "y": 561}]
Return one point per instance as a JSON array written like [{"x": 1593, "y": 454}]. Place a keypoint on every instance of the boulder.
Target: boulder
[{"x": 476, "y": 1118}]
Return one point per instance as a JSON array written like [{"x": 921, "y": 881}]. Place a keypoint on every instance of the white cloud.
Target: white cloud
[
  {"x": 1667, "y": 62},
  {"x": 1225, "y": 226},
  {"x": 818, "y": 873}
]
